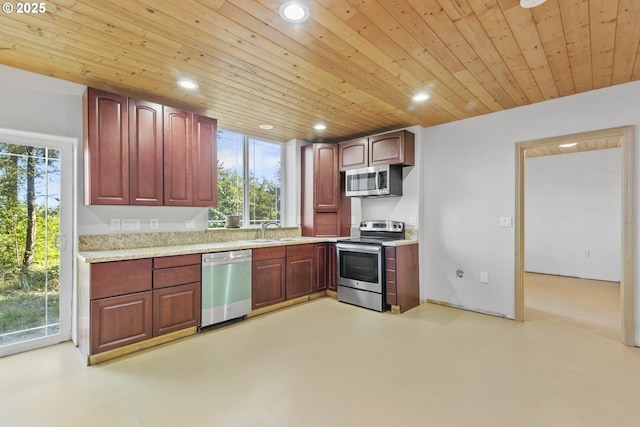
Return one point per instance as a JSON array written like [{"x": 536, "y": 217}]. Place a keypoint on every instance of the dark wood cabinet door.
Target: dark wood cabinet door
[
  {"x": 268, "y": 282},
  {"x": 326, "y": 177},
  {"x": 205, "y": 161},
  {"x": 354, "y": 154},
  {"x": 120, "y": 321},
  {"x": 145, "y": 153},
  {"x": 176, "y": 308},
  {"x": 106, "y": 148},
  {"x": 321, "y": 267},
  {"x": 394, "y": 148},
  {"x": 332, "y": 262},
  {"x": 178, "y": 185},
  {"x": 301, "y": 274}
]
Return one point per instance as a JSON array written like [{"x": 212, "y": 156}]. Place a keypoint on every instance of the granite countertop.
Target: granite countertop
[
  {"x": 197, "y": 248},
  {"x": 200, "y": 248}
]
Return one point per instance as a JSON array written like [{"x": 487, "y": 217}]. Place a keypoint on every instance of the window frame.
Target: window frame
[{"x": 245, "y": 179}]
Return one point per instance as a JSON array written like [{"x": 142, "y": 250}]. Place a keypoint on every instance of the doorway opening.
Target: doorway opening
[
  {"x": 624, "y": 138},
  {"x": 36, "y": 192}
]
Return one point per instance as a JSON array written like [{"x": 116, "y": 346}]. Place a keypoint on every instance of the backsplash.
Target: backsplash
[{"x": 109, "y": 242}]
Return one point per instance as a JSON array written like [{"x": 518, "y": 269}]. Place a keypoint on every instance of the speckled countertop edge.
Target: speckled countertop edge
[{"x": 200, "y": 248}]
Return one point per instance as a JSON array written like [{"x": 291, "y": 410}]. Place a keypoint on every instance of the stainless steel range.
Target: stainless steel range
[{"x": 361, "y": 264}]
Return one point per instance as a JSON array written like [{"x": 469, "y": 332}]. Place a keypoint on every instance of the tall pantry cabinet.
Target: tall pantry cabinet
[{"x": 326, "y": 212}]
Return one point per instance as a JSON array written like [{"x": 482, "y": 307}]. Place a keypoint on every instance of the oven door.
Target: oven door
[{"x": 360, "y": 266}]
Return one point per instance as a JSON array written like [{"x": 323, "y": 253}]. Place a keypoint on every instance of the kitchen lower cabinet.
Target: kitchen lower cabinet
[
  {"x": 268, "y": 275},
  {"x": 321, "y": 260},
  {"x": 402, "y": 282},
  {"x": 119, "y": 321},
  {"x": 301, "y": 271},
  {"x": 176, "y": 308},
  {"x": 332, "y": 267}
]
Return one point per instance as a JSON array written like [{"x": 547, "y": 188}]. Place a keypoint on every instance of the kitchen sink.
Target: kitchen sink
[
  {"x": 261, "y": 240},
  {"x": 290, "y": 239}
]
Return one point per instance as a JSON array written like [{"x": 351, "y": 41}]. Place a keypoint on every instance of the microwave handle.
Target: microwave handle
[{"x": 378, "y": 179}]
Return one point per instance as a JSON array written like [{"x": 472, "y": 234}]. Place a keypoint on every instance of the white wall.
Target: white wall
[
  {"x": 469, "y": 182},
  {"x": 572, "y": 214}
]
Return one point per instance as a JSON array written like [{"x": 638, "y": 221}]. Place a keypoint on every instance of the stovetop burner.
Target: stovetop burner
[{"x": 378, "y": 232}]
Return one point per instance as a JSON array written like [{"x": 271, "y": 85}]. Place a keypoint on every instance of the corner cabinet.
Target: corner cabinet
[
  {"x": 393, "y": 148},
  {"x": 326, "y": 212},
  {"x": 141, "y": 153}
]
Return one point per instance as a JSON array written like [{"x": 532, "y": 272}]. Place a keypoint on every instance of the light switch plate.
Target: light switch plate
[{"x": 505, "y": 221}]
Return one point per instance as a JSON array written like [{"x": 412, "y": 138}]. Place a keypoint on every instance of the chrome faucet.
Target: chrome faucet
[{"x": 264, "y": 226}]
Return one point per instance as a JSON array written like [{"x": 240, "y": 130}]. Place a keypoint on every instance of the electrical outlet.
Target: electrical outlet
[
  {"x": 484, "y": 277},
  {"x": 131, "y": 224},
  {"x": 115, "y": 224},
  {"x": 505, "y": 221},
  {"x": 153, "y": 223},
  {"x": 189, "y": 224}
]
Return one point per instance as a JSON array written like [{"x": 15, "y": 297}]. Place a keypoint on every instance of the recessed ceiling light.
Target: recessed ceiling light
[
  {"x": 320, "y": 126},
  {"x": 294, "y": 12},
  {"x": 266, "y": 127},
  {"x": 531, "y": 3},
  {"x": 187, "y": 84},
  {"x": 571, "y": 144},
  {"x": 420, "y": 97}
]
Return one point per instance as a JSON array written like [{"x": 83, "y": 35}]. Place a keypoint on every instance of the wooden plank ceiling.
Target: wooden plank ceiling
[{"x": 354, "y": 65}]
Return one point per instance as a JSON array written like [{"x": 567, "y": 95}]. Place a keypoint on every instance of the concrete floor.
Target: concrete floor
[{"x": 328, "y": 364}]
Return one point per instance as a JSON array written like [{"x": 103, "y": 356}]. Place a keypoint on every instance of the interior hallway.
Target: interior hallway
[
  {"x": 325, "y": 363},
  {"x": 590, "y": 304}
]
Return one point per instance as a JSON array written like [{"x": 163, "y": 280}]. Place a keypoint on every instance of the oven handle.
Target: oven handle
[{"x": 360, "y": 248}]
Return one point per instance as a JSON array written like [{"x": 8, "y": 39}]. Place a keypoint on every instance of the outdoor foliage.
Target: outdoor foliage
[
  {"x": 264, "y": 197},
  {"x": 29, "y": 221}
]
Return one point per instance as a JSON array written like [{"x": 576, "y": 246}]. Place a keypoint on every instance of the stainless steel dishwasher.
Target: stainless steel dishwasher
[{"x": 226, "y": 286}]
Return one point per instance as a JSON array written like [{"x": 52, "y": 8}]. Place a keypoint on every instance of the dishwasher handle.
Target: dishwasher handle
[{"x": 220, "y": 258}]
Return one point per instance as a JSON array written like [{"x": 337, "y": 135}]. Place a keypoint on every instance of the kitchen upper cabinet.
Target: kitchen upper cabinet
[
  {"x": 393, "y": 148},
  {"x": 142, "y": 153},
  {"x": 326, "y": 212},
  {"x": 354, "y": 154},
  {"x": 178, "y": 185},
  {"x": 301, "y": 270},
  {"x": 145, "y": 153},
  {"x": 205, "y": 161},
  {"x": 106, "y": 148},
  {"x": 326, "y": 177}
]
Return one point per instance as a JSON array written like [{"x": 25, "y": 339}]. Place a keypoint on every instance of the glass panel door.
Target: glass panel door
[{"x": 34, "y": 291}]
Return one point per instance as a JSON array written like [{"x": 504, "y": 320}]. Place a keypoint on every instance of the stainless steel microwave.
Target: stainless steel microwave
[{"x": 375, "y": 181}]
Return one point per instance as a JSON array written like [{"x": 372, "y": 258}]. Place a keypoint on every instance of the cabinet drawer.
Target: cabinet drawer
[
  {"x": 110, "y": 279},
  {"x": 176, "y": 261},
  {"x": 390, "y": 263},
  {"x": 391, "y": 275},
  {"x": 268, "y": 253},
  {"x": 392, "y": 298},
  {"x": 390, "y": 252},
  {"x": 307, "y": 249},
  {"x": 392, "y": 286},
  {"x": 176, "y": 276}
]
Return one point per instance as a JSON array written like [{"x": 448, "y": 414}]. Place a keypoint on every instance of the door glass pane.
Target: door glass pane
[
  {"x": 29, "y": 260},
  {"x": 359, "y": 266},
  {"x": 264, "y": 181}
]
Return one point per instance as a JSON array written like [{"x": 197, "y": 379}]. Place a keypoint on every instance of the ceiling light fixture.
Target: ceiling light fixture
[
  {"x": 320, "y": 126},
  {"x": 266, "y": 127},
  {"x": 294, "y": 12},
  {"x": 187, "y": 84},
  {"x": 571, "y": 144},
  {"x": 420, "y": 97},
  {"x": 527, "y": 4}
]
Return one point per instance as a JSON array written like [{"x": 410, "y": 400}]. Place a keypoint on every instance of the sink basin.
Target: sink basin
[
  {"x": 260, "y": 240},
  {"x": 290, "y": 239}
]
